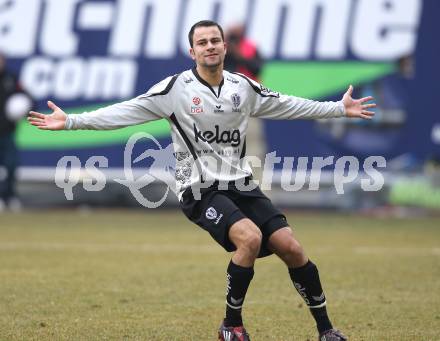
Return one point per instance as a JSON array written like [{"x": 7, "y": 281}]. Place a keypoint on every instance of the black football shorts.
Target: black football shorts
[{"x": 218, "y": 210}]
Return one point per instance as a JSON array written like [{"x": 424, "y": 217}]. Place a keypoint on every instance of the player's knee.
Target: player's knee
[
  {"x": 293, "y": 254},
  {"x": 294, "y": 249},
  {"x": 253, "y": 241},
  {"x": 246, "y": 236}
]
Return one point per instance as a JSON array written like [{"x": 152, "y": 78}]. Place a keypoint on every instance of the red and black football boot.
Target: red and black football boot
[{"x": 232, "y": 333}]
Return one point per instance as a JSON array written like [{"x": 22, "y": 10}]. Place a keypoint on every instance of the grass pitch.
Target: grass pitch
[{"x": 134, "y": 275}]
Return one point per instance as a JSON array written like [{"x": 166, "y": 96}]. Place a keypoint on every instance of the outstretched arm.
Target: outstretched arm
[
  {"x": 356, "y": 107},
  {"x": 276, "y": 106},
  {"x": 153, "y": 105},
  {"x": 135, "y": 111},
  {"x": 54, "y": 121}
]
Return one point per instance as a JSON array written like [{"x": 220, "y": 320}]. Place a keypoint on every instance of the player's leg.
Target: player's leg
[
  {"x": 246, "y": 237},
  {"x": 218, "y": 214},
  {"x": 278, "y": 238},
  {"x": 305, "y": 277}
]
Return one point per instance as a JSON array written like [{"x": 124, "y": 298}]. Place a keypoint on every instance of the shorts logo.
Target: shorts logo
[{"x": 211, "y": 213}]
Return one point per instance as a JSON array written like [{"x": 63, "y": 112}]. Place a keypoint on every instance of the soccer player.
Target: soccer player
[{"x": 208, "y": 109}]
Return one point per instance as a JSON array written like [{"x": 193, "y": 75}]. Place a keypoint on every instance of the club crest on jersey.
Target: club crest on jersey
[
  {"x": 236, "y": 101},
  {"x": 197, "y": 108}
]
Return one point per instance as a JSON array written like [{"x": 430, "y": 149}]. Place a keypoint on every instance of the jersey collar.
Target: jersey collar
[{"x": 205, "y": 83}]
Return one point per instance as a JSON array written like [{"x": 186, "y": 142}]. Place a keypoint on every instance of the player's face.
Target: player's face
[{"x": 208, "y": 49}]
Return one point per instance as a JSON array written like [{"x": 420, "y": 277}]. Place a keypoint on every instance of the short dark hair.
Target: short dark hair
[{"x": 203, "y": 23}]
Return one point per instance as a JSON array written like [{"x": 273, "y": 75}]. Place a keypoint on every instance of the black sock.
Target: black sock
[
  {"x": 307, "y": 283},
  {"x": 239, "y": 279}
]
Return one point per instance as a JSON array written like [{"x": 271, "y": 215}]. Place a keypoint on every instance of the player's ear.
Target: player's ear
[{"x": 191, "y": 52}]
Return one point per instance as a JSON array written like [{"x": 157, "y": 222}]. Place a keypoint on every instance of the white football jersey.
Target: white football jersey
[{"x": 208, "y": 126}]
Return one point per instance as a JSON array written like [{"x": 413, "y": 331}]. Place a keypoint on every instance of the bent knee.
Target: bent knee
[
  {"x": 293, "y": 254},
  {"x": 245, "y": 234},
  {"x": 253, "y": 240},
  {"x": 294, "y": 248}
]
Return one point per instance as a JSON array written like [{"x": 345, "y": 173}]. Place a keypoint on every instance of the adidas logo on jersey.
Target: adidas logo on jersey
[{"x": 227, "y": 136}]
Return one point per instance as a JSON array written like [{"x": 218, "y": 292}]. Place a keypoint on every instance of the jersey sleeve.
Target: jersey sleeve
[
  {"x": 266, "y": 103},
  {"x": 151, "y": 106}
]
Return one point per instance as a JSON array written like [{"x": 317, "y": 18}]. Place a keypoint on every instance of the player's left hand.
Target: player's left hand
[{"x": 356, "y": 107}]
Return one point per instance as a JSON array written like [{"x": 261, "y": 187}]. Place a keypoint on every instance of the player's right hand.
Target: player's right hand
[{"x": 54, "y": 121}]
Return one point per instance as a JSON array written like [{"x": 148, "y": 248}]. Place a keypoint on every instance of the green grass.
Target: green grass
[{"x": 133, "y": 275}]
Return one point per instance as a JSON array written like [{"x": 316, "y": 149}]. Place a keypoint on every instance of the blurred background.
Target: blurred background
[{"x": 86, "y": 54}]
